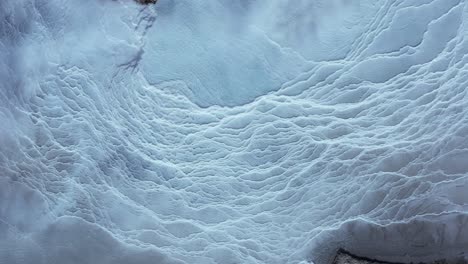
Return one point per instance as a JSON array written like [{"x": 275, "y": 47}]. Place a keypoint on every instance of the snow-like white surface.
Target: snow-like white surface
[{"x": 232, "y": 131}]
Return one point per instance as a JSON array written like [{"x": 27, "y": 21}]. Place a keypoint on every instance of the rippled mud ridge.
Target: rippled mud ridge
[{"x": 222, "y": 132}]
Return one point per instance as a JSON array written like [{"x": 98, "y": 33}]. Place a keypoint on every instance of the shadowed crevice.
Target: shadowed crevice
[{"x": 146, "y": 2}]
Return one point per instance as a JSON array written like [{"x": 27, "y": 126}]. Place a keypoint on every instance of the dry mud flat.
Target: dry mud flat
[{"x": 227, "y": 132}]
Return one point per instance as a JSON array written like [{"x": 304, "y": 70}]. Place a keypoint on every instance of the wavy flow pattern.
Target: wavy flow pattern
[{"x": 102, "y": 162}]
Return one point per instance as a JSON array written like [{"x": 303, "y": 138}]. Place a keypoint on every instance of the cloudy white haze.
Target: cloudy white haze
[{"x": 232, "y": 131}]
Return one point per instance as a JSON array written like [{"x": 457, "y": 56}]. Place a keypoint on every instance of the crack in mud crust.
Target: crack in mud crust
[{"x": 146, "y": 2}]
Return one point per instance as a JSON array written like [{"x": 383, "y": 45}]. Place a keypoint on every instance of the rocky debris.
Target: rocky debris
[{"x": 344, "y": 257}]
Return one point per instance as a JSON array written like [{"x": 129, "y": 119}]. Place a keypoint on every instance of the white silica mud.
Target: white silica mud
[{"x": 222, "y": 132}]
